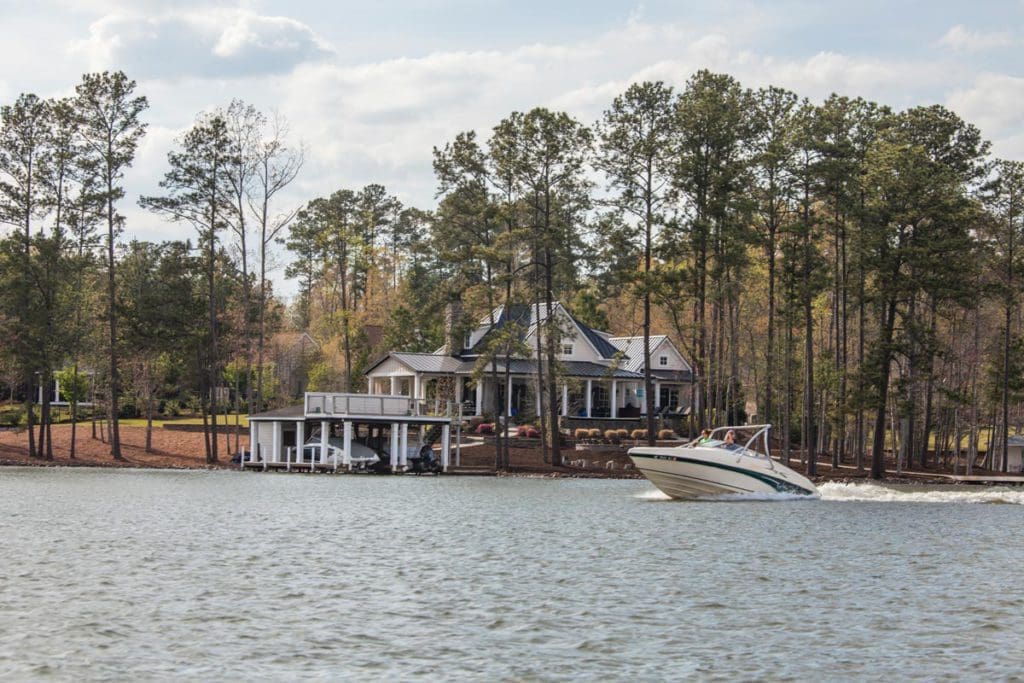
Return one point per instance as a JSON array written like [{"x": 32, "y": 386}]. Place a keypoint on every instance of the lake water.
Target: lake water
[{"x": 223, "y": 575}]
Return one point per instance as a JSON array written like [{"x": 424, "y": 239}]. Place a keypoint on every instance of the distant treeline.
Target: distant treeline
[{"x": 849, "y": 272}]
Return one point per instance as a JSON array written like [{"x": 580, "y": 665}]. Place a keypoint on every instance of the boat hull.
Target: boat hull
[{"x": 706, "y": 472}]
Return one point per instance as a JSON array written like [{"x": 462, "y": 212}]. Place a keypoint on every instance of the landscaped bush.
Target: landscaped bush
[
  {"x": 666, "y": 434},
  {"x": 611, "y": 434},
  {"x": 581, "y": 434},
  {"x": 623, "y": 433},
  {"x": 594, "y": 433},
  {"x": 485, "y": 428},
  {"x": 638, "y": 434},
  {"x": 532, "y": 433}
]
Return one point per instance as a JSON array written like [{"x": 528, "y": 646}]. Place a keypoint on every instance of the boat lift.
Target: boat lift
[{"x": 278, "y": 438}]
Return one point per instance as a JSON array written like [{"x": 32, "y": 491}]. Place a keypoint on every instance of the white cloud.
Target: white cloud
[
  {"x": 993, "y": 102},
  {"x": 960, "y": 37},
  {"x": 209, "y": 43},
  {"x": 378, "y": 121}
]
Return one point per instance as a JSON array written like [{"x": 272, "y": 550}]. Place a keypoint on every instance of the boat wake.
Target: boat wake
[
  {"x": 653, "y": 494},
  {"x": 657, "y": 495},
  {"x": 835, "y": 491},
  {"x": 870, "y": 493}
]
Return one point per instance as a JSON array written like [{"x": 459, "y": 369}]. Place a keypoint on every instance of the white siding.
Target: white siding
[
  {"x": 675, "y": 359},
  {"x": 390, "y": 368},
  {"x": 582, "y": 349}
]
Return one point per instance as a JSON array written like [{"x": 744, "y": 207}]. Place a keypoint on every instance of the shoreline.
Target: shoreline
[
  {"x": 922, "y": 481},
  {"x": 184, "y": 450}
]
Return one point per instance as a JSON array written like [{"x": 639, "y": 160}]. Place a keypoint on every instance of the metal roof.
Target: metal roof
[
  {"x": 672, "y": 375},
  {"x": 633, "y": 347},
  {"x": 526, "y": 316},
  {"x": 571, "y": 368},
  {"x": 428, "y": 362}
]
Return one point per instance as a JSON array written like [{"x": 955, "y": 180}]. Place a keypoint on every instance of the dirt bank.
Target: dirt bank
[{"x": 171, "y": 449}]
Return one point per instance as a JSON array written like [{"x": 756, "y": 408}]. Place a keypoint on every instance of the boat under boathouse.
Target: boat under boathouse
[{"x": 338, "y": 432}]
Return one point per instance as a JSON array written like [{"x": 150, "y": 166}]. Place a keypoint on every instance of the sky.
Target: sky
[{"x": 370, "y": 87}]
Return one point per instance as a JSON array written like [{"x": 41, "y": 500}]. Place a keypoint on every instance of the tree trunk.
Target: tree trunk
[
  {"x": 881, "y": 387},
  {"x": 115, "y": 383}
]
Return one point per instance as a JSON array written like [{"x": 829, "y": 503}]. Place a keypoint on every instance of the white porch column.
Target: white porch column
[
  {"x": 300, "y": 441},
  {"x": 40, "y": 391},
  {"x": 277, "y": 439},
  {"x": 56, "y": 390},
  {"x": 565, "y": 400},
  {"x": 479, "y": 397},
  {"x": 508, "y": 396},
  {"x": 590, "y": 395},
  {"x": 403, "y": 446},
  {"x": 253, "y": 444},
  {"x": 394, "y": 446},
  {"x": 394, "y": 386},
  {"x": 417, "y": 386},
  {"x": 324, "y": 432},
  {"x": 347, "y": 445},
  {"x": 539, "y": 409},
  {"x": 369, "y": 385},
  {"x": 615, "y": 398},
  {"x": 445, "y": 446},
  {"x": 657, "y": 395}
]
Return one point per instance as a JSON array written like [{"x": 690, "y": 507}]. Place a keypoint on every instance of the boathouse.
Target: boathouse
[
  {"x": 350, "y": 432},
  {"x": 1014, "y": 461}
]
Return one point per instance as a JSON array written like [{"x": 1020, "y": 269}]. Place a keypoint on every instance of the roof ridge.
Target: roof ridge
[{"x": 637, "y": 336}]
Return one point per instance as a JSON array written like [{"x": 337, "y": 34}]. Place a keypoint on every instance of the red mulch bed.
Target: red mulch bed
[{"x": 171, "y": 448}]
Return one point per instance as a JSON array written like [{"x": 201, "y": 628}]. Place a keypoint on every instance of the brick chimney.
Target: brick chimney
[{"x": 452, "y": 327}]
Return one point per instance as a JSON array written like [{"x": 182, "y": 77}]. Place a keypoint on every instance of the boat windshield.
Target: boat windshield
[
  {"x": 718, "y": 443},
  {"x": 756, "y": 433}
]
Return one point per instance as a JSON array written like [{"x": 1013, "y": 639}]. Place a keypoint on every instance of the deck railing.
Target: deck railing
[{"x": 327, "y": 404}]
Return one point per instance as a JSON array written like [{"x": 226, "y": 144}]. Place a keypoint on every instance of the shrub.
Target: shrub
[
  {"x": 532, "y": 433},
  {"x": 623, "y": 433},
  {"x": 611, "y": 435},
  {"x": 580, "y": 434},
  {"x": 638, "y": 434},
  {"x": 666, "y": 434},
  {"x": 476, "y": 420},
  {"x": 523, "y": 431},
  {"x": 485, "y": 428},
  {"x": 594, "y": 433}
]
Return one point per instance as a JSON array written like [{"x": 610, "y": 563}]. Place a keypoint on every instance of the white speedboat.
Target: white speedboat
[{"x": 711, "y": 467}]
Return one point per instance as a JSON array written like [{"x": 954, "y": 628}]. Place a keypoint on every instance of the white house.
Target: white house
[{"x": 602, "y": 375}]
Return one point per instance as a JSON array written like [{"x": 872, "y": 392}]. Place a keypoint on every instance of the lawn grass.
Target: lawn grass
[
  {"x": 141, "y": 421},
  {"x": 14, "y": 414}
]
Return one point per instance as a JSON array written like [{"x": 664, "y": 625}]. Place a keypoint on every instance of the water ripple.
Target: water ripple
[{"x": 221, "y": 575}]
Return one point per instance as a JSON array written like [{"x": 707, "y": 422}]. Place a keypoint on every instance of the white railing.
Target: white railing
[{"x": 326, "y": 404}]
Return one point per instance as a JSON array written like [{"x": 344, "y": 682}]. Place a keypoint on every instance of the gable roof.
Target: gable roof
[
  {"x": 633, "y": 348},
  {"x": 525, "y": 314},
  {"x": 421, "y": 362},
  {"x": 601, "y": 344}
]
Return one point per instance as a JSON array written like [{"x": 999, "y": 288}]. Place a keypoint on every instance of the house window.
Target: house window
[
  {"x": 663, "y": 360},
  {"x": 566, "y": 349},
  {"x": 467, "y": 342},
  {"x": 669, "y": 397}
]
